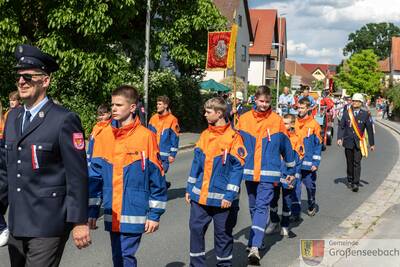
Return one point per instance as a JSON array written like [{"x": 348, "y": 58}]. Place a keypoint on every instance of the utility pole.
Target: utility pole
[
  {"x": 279, "y": 60},
  {"x": 146, "y": 63}
]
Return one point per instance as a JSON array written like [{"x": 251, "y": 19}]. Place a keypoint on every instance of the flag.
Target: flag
[
  {"x": 217, "y": 52},
  {"x": 232, "y": 46}
]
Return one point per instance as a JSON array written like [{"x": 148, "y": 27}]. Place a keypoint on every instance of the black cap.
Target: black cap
[{"x": 31, "y": 57}]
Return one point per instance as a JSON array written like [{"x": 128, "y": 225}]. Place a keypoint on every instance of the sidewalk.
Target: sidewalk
[
  {"x": 188, "y": 140},
  {"x": 395, "y": 126},
  {"x": 387, "y": 226}
]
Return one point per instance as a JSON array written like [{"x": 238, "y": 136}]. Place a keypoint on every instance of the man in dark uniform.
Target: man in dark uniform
[
  {"x": 352, "y": 126},
  {"x": 43, "y": 169}
]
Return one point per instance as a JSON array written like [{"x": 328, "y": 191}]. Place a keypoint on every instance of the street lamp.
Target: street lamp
[{"x": 279, "y": 57}]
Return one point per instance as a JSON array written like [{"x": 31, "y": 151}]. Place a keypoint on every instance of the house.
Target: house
[
  {"x": 236, "y": 11},
  {"x": 320, "y": 71},
  {"x": 391, "y": 65},
  {"x": 292, "y": 68},
  {"x": 264, "y": 51}
]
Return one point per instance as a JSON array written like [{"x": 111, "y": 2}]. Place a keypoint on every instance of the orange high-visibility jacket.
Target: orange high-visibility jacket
[
  {"x": 265, "y": 138},
  {"x": 310, "y": 133},
  {"x": 125, "y": 174},
  {"x": 217, "y": 167},
  {"x": 166, "y": 128}
]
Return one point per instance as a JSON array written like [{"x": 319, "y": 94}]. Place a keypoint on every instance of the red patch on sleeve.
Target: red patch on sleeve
[{"x": 78, "y": 141}]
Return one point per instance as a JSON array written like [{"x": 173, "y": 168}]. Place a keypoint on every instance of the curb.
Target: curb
[
  {"x": 389, "y": 126},
  {"x": 189, "y": 146},
  {"x": 363, "y": 219}
]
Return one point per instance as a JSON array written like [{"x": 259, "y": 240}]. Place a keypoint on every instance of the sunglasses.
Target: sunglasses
[{"x": 27, "y": 76}]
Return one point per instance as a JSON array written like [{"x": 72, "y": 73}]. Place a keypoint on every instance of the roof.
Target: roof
[
  {"x": 228, "y": 8},
  {"x": 294, "y": 68},
  {"x": 323, "y": 67},
  {"x": 264, "y": 25},
  {"x": 396, "y": 53},
  {"x": 384, "y": 65}
]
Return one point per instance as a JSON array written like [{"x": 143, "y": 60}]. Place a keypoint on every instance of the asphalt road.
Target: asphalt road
[{"x": 170, "y": 245}]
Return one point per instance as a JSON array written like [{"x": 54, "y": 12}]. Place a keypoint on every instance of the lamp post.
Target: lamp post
[
  {"x": 146, "y": 64},
  {"x": 279, "y": 58}
]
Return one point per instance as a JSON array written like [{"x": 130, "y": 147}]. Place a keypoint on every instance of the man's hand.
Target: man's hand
[
  {"x": 92, "y": 223},
  {"x": 234, "y": 111},
  {"x": 372, "y": 148},
  {"x": 225, "y": 204},
  {"x": 151, "y": 226},
  {"x": 339, "y": 142},
  {"x": 187, "y": 198},
  {"x": 171, "y": 159},
  {"x": 314, "y": 168},
  {"x": 290, "y": 179},
  {"x": 81, "y": 235}
]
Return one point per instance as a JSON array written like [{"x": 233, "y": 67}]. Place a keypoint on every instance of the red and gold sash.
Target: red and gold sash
[{"x": 361, "y": 136}]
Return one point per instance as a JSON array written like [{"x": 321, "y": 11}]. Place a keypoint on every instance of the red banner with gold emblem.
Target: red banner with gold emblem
[{"x": 218, "y": 48}]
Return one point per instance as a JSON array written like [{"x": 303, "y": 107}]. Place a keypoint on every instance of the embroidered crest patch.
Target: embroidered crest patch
[
  {"x": 78, "y": 141},
  {"x": 241, "y": 152}
]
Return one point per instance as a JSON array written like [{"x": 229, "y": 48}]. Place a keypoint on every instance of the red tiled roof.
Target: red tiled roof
[
  {"x": 294, "y": 68},
  {"x": 323, "y": 67},
  {"x": 396, "y": 53},
  {"x": 384, "y": 65},
  {"x": 263, "y": 23}
]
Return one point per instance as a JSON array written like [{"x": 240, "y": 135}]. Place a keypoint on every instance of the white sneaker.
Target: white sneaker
[
  {"x": 285, "y": 232},
  {"x": 4, "y": 235},
  {"x": 254, "y": 256},
  {"x": 272, "y": 228}
]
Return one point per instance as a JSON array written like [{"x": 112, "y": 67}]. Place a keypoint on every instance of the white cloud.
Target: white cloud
[
  {"x": 318, "y": 29},
  {"x": 302, "y": 49}
]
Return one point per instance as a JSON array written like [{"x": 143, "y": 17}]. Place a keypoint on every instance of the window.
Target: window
[
  {"x": 244, "y": 53},
  {"x": 240, "y": 21}
]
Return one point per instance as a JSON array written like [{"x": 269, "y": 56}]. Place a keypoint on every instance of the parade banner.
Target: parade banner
[
  {"x": 217, "y": 52},
  {"x": 232, "y": 47}
]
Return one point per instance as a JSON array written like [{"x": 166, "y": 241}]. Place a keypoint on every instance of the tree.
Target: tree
[
  {"x": 99, "y": 43},
  {"x": 228, "y": 81},
  {"x": 361, "y": 74},
  {"x": 318, "y": 85},
  {"x": 375, "y": 36}
]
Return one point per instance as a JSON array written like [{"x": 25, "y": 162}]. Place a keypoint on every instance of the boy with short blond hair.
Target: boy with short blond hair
[
  {"x": 287, "y": 186},
  {"x": 309, "y": 131},
  {"x": 213, "y": 185}
]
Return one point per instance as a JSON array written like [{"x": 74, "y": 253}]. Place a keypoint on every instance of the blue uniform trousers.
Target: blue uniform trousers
[
  {"x": 224, "y": 222},
  {"x": 308, "y": 178},
  {"x": 124, "y": 247},
  {"x": 286, "y": 205},
  {"x": 260, "y": 196},
  {"x": 3, "y": 224}
]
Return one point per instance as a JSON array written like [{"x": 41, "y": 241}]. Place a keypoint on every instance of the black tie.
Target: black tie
[
  {"x": 356, "y": 113},
  {"x": 27, "y": 120}
]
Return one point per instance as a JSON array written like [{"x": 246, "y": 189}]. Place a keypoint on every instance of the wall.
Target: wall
[{"x": 256, "y": 71}]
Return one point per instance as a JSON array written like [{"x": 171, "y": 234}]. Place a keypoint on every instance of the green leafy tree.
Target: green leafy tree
[
  {"x": 100, "y": 44},
  {"x": 318, "y": 85},
  {"x": 375, "y": 36},
  {"x": 361, "y": 74}
]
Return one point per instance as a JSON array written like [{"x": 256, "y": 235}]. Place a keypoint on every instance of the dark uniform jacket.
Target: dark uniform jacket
[
  {"x": 45, "y": 170},
  {"x": 346, "y": 131}
]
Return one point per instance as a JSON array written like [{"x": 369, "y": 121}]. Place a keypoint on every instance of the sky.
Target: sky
[{"x": 318, "y": 30}]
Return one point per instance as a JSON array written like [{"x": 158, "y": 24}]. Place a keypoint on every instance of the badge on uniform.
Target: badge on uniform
[
  {"x": 78, "y": 140},
  {"x": 41, "y": 114},
  {"x": 241, "y": 152}
]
